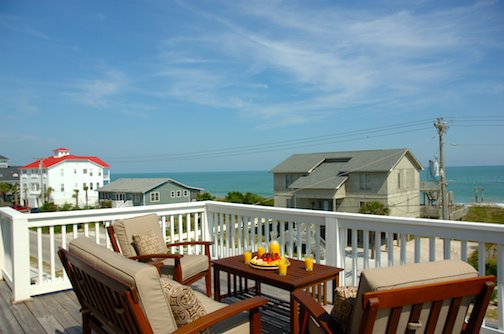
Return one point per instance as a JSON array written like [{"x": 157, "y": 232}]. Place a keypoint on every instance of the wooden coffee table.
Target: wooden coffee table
[{"x": 297, "y": 279}]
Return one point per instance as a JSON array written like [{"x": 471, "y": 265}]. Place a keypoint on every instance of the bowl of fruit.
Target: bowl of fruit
[{"x": 267, "y": 261}]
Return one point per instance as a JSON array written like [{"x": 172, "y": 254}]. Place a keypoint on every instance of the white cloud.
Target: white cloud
[{"x": 97, "y": 92}]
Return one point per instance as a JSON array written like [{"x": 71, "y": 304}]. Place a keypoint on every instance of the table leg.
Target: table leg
[
  {"x": 216, "y": 280},
  {"x": 294, "y": 315}
]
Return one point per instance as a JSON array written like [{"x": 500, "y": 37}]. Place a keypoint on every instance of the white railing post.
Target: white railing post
[
  {"x": 21, "y": 258},
  {"x": 333, "y": 246}
]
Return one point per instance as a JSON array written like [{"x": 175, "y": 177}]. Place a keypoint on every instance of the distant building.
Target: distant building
[
  {"x": 344, "y": 181},
  {"x": 138, "y": 192},
  {"x": 8, "y": 174},
  {"x": 63, "y": 178}
]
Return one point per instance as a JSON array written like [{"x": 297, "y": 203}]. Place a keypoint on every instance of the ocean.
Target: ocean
[{"x": 462, "y": 181}]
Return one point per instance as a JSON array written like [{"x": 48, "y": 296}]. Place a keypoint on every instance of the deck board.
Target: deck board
[{"x": 59, "y": 312}]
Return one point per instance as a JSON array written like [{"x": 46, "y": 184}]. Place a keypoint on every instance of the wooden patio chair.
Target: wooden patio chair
[
  {"x": 429, "y": 297},
  {"x": 141, "y": 238},
  {"x": 119, "y": 295}
]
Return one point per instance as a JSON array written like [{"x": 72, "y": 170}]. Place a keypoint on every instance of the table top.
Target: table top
[{"x": 297, "y": 277}]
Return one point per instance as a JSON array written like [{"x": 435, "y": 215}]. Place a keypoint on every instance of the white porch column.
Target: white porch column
[{"x": 21, "y": 258}]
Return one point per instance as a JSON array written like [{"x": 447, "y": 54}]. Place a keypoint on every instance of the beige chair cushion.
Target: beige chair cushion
[
  {"x": 143, "y": 276},
  {"x": 149, "y": 243},
  {"x": 190, "y": 264},
  {"x": 377, "y": 279},
  {"x": 344, "y": 301},
  {"x": 185, "y": 306},
  {"x": 234, "y": 325},
  {"x": 125, "y": 229}
]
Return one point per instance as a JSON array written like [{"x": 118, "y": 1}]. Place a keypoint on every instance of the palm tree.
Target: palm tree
[
  {"x": 76, "y": 196},
  {"x": 5, "y": 188},
  {"x": 25, "y": 192},
  {"x": 47, "y": 194},
  {"x": 86, "y": 188},
  {"x": 374, "y": 208}
]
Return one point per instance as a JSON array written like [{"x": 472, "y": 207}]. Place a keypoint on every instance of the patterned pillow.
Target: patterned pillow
[
  {"x": 149, "y": 243},
  {"x": 343, "y": 305},
  {"x": 185, "y": 306}
]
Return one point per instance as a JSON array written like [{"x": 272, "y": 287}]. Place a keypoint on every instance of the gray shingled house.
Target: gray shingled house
[
  {"x": 344, "y": 181},
  {"x": 138, "y": 192}
]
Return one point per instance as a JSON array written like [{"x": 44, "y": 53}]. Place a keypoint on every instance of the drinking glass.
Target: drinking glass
[
  {"x": 308, "y": 261},
  {"x": 247, "y": 256}
]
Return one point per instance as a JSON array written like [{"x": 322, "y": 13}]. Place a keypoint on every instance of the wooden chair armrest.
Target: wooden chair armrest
[
  {"x": 307, "y": 302},
  {"x": 314, "y": 309},
  {"x": 222, "y": 314},
  {"x": 188, "y": 243},
  {"x": 157, "y": 256},
  {"x": 207, "y": 245}
]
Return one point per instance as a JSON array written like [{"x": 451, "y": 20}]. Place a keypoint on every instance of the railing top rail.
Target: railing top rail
[{"x": 78, "y": 216}]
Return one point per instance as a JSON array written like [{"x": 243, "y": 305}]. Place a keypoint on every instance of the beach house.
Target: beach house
[
  {"x": 63, "y": 178},
  {"x": 345, "y": 181},
  {"x": 140, "y": 191}
]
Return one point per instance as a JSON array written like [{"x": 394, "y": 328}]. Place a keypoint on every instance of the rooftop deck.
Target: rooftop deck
[
  {"x": 31, "y": 270},
  {"x": 58, "y": 312}
]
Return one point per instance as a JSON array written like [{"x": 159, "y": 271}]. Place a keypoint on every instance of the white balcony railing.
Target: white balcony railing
[{"x": 28, "y": 243}]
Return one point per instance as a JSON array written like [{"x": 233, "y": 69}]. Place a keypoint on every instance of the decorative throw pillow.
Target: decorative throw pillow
[
  {"x": 149, "y": 243},
  {"x": 185, "y": 306},
  {"x": 343, "y": 304}
]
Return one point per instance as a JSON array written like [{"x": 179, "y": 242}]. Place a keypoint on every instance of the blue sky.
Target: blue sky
[{"x": 169, "y": 86}]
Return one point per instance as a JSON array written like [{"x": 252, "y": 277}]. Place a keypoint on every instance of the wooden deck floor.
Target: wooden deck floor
[{"x": 58, "y": 313}]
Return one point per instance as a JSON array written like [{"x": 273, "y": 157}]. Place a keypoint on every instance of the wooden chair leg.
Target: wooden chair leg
[{"x": 208, "y": 283}]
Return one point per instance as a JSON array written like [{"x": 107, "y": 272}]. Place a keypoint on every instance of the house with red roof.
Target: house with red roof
[{"x": 63, "y": 178}]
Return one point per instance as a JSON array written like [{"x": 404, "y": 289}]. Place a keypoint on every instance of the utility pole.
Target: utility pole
[{"x": 442, "y": 127}]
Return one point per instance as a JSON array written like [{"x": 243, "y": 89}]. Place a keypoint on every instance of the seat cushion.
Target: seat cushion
[
  {"x": 143, "y": 276},
  {"x": 234, "y": 325},
  {"x": 190, "y": 264},
  {"x": 344, "y": 301},
  {"x": 377, "y": 279},
  {"x": 149, "y": 243},
  {"x": 125, "y": 229},
  {"x": 185, "y": 306}
]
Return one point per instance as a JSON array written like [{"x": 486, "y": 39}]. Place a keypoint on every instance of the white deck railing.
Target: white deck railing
[{"x": 28, "y": 243}]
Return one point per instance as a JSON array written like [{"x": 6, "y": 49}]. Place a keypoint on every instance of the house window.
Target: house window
[
  {"x": 97, "y": 185},
  {"x": 288, "y": 180},
  {"x": 84, "y": 186},
  {"x": 90, "y": 186},
  {"x": 84, "y": 171},
  {"x": 172, "y": 194},
  {"x": 91, "y": 172},
  {"x": 364, "y": 181},
  {"x": 75, "y": 171},
  {"x": 62, "y": 188},
  {"x": 179, "y": 193},
  {"x": 186, "y": 193},
  {"x": 154, "y": 196}
]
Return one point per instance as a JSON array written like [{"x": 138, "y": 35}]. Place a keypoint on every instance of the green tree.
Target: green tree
[
  {"x": 47, "y": 194},
  {"x": 5, "y": 189},
  {"x": 234, "y": 197},
  {"x": 86, "y": 188},
  {"x": 205, "y": 196},
  {"x": 374, "y": 208},
  {"x": 76, "y": 196}
]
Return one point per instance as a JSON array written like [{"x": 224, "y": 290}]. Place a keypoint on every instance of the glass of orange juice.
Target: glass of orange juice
[
  {"x": 308, "y": 261},
  {"x": 282, "y": 266},
  {"x": 260, "y": 250},
  {"x": 247, "y": 256}
]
